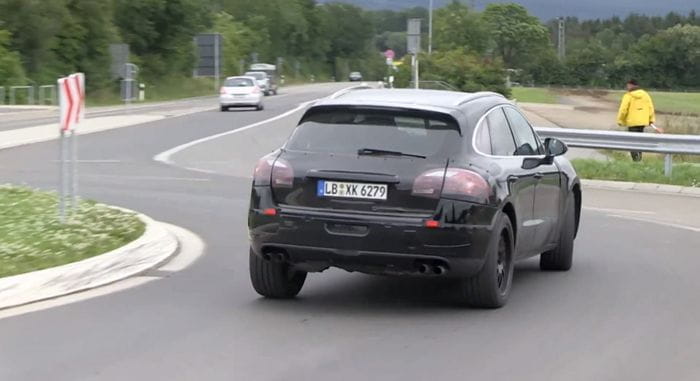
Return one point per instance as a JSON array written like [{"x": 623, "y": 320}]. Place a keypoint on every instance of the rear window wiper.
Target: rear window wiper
[{"x": 374, "y": 151}]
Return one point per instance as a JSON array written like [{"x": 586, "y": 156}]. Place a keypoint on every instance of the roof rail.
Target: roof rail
[
  {"x": 479, "y": 95},
  {"x": 342, "y": 92}
]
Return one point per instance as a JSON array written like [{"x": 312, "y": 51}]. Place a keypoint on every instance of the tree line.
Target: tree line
[{"x": 42, "y": 40}]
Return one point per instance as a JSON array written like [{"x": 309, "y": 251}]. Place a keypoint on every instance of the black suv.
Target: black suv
[{"x": 412, "y": 182}]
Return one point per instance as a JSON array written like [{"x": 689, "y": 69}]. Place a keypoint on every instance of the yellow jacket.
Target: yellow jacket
[{"x": 636, "y": 109}]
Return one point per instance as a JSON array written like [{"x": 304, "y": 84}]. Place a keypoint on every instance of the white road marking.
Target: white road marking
[
  {"x": 93, "y": 161},
  {"x": 191, "y": 248},
  {"x": 164, "y": 157},
  {"x": 607, "y": 210},
  {"x": 147, "y": 178}
]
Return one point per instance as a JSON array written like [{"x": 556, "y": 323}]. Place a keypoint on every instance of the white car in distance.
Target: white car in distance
[{"x": 242, "y": 91}]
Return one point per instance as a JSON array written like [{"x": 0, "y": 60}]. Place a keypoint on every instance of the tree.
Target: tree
[
  {"x": 465, "y": 71},
  {"x": 456, "y": 27},
  {"x": 34, "y": 25},
  {"x": 515, "y": 32},
  {"x": 11, "y": 71},
  {"x": 586, "y": 64},
  {"x": 239, "y": 41},
  {"x": 160, "y": 32},
  {"x": 669, "y": 59}
]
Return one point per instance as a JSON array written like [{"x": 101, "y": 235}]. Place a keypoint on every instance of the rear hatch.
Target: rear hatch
[
  {"x": 366, "y": 160},
  {"x": 238, "y": 86}
]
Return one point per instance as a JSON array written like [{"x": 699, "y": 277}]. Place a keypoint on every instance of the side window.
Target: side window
[
  {"x": 525, "y": 138},
  {"x": 483, "y": 137},
  {"x": 502, "y": 143}
]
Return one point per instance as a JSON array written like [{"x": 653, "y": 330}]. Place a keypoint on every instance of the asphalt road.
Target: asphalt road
[{"x": 628, "y": 310}]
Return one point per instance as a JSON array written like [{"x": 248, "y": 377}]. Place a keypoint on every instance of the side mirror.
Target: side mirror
[{"x": 554, "y": 147}]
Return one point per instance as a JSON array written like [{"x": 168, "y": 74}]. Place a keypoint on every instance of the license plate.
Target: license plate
[{"x": 351, "y": 190}]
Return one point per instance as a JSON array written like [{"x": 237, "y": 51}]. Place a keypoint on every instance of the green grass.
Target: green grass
[
  {"x": 157, "y": 92},
  {"x": 681, "y": 103},
  {"x": 533, "y": 95},
  {"x": 32, "y": 237},
  {"x": 649, "y": 170}
]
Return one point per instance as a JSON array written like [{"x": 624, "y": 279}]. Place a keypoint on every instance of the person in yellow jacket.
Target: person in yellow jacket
[{"x": 636, "y": 112}]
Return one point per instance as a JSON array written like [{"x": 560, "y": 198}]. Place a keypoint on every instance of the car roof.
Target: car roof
[{"x": 429, "y": 100}]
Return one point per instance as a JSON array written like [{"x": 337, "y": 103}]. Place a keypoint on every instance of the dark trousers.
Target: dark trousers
[{"x": 636, "y": 155}]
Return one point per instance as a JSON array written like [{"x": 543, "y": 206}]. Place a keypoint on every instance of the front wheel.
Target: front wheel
[
  {"x": 224, "y": 108},
  {"x": 561, "y": 257},
  {"x": 491, "y": 286},
  {"x": 273, "y": 279}
]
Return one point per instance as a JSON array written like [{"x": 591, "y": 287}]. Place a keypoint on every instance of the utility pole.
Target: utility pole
[
  {"x": 430, "y": 28},
  {"x": 413, "y": 47},
  {"x": 561, "y": 40}
]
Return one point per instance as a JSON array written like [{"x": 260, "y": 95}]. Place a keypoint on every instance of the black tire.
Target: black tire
[
  {"x": 274, "y": 279},
  {"x": 260, "y": 107},
  {"x": 491, "y": 286},
  {"x": 224, "y": 108},
  {"x": 561, "y": 257}
]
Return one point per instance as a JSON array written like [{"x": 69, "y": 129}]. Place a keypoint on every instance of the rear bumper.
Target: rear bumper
[
  {"x": 313, "y": 240},
  {"x": 249, "y": 100}
]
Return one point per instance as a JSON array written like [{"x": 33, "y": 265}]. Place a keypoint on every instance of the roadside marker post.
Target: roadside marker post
[{"x": 71, "y": 91}]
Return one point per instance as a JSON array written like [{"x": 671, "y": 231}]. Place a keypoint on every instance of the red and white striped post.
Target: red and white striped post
[{"x": 71, "y": 92}]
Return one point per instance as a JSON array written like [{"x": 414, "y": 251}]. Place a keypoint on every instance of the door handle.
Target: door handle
[{"x": 538, "y": 176}]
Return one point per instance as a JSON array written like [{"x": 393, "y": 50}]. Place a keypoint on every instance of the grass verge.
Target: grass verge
[
  {"x": 649, "y": 170},
  {"x": 164, "y": 90},
  {"x": 32, "y": 237},
  {"x": 533, "y": 95}
]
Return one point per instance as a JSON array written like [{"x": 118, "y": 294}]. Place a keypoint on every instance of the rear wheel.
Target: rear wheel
[
  {"x": 275, "y": 280},
  {"x": 491, "y": 286},
  {"x": 224, "y": 108},
  {"x": 260, "y": 107},
  {"x": 561, "y": 257}
]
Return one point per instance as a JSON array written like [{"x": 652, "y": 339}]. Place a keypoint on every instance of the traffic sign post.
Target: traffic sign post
[{"x": 71, "y": 91}]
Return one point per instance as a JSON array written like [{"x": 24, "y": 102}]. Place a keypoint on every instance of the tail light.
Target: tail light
[
  {"x": 451, "y": 183},
  {"x": 222, "y": 91},
  {"x": 263, "y": 170},
  {"x": 429, "y": 184},
  {"x": 273, "y": 171},
  {"x": 282, "y": 174}
]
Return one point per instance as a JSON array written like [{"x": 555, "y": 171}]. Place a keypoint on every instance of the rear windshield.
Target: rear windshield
[
  {"x": 238, "y": 82},
  {"x": 257, "y": 75},
  {"x": 349, "y": 130}
]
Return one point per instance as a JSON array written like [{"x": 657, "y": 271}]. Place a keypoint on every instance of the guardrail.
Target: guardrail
[{"x": 668, "y": 145}]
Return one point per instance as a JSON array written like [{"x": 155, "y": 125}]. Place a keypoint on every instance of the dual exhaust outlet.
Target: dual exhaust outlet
[
  {"x": 428, "y": 269},
  {"x": 275, "y": 257}
]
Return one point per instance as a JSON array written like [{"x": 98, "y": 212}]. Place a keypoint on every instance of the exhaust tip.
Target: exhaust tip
[
  {"x": 423, "y": 268},
  {"x": 439, "y": 270}
]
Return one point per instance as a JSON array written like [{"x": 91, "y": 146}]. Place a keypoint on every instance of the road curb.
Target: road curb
[
  {"x": 156, "y": 246},
  {"x": 642, "y": 187}
]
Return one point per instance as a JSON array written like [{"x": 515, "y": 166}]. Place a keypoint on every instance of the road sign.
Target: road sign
[
  {"x": 120, "y": 56},
  {"x": 413, "y": 36},
  {"x": 71, "y": 97},
  {"x": 208, "y": 54}
]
